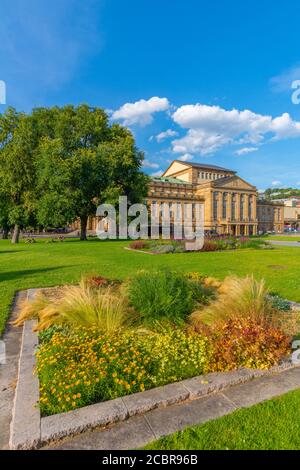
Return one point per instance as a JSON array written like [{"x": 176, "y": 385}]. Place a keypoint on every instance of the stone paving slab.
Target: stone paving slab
[
  {"x": 25, "y": 425},
  {"x": 264, "y": 389},
  {"x": 132, "y": 434},
  {"x": 138, "y": 431},
  {"x": 8, "y": 373},
  {"x": 178, "y": 417}
]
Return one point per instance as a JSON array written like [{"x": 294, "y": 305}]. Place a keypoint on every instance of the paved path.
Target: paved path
[
  {"x": 8, "y": 375},
  {"x": 284, "y": 243},
  {"x": 138, "y": 431}
]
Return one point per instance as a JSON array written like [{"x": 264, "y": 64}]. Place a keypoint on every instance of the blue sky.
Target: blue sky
[{"x": 194, "y": 80}]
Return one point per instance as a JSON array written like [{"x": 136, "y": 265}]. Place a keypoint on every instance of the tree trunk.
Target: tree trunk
[
  {"x": 16, "y": 234},
  {"x": 83, "y": 226}
]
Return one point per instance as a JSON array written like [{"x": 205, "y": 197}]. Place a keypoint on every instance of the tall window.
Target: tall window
[
  {"x": 242, "y": 200},
  {"x": 224, "y": 206},
  {"x": 250, "y": 202},
  {"x": 215, "y": 206},
  {"x": 233, "y": 200}
]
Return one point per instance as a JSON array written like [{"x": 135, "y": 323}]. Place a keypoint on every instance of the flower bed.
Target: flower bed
[
  {"x": 211, "y": 243},
  {"x": 102, "y": 340},
  {"x": 83, "y": 367}
]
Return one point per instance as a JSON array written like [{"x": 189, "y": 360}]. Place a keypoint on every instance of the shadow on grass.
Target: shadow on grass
[{"x": 13, "y": 275}]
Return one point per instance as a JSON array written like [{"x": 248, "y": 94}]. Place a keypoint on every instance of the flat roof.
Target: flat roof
[{"x": 205, "y": 165}]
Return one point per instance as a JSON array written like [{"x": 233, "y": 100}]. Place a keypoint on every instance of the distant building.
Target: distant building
[
  {"x": 291, "y": 212},
  {"x": 270, "y": 216},
  {"x": 231, "y": 204}
]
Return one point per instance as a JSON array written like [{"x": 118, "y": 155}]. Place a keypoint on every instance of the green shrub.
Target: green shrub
[
  {"x": 279, "y": 303},
  {"x": 160, "y": 295},
  {"x": 163, "y": 249},
  {"x": 253, "y": 243}
]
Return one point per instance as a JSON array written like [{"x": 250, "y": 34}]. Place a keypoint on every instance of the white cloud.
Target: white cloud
[
  {"x": 283, "y": 82},
  {"x": 148, "y": 164},
  {"x": 165, "y": 135},
  {"x": 276, "y": 183},
  {"x": 141, "y": 112},
  {"x": 246, "y": 150},
  {"x": 157, "y": 173},
  {"x": 211, "y": 127},
  {"x": 186, "y": 157}
]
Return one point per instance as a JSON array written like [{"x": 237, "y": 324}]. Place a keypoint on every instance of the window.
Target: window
[
  {"x": 250, "y": 207},
  {"x": 210, "y": 176},
  {"x": 224, "y": 206},
  {"x": 242, "y": 201},
  {"x": 215, "y": 205},
  {"x": 233, "y": 200}
]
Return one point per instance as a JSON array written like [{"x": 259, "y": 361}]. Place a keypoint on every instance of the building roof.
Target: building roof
[
  {"x": 167, "y": 179},
  {"x": 205, "y": 165}
]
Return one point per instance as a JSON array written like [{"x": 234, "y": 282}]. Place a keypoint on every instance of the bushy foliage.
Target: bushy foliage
[
  {"x": 83, "y": 367},
  {"x": 138, "y": 245},
  {"x": 256, "y": 243},
  {"x": 210, "y": 245},
  {"x": 160, "y": 295},
  {"x": 79, "y": 305},
  {"x": 279, "y": 303},
  {"x": 238, "y": 298},
  {"x": 247, "y": 342},
  {"x": 163, "y": 249}
]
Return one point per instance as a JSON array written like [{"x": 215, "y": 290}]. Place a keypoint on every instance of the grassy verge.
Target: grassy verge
[
  {"x": 272, "y": 425},
  {"x": 40, "y": 265}
]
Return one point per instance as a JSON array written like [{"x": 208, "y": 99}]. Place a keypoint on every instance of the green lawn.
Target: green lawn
[
  {"x": 272, "y": 425},
  {"x": 38, "y": 265}
]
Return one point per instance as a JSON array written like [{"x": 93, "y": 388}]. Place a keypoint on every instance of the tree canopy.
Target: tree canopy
[{"x": 58, "y": 164}]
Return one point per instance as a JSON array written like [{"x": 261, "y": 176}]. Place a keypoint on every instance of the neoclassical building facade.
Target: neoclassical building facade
[{"x": 231, "y": 204}]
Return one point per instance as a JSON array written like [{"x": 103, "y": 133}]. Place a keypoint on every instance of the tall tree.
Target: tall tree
[
  {"x": 17, "y": 144},
  {"x": 84, "y": 163}
]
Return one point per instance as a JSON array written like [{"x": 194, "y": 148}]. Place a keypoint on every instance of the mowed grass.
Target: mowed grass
[
  {"x": 44, "y": 264},
  {"x": 272, "y": 425}
]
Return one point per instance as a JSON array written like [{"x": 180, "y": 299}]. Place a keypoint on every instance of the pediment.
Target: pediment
[
  {"x": 175, "y": 167},
  {"x": 234, "y": 182}
]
